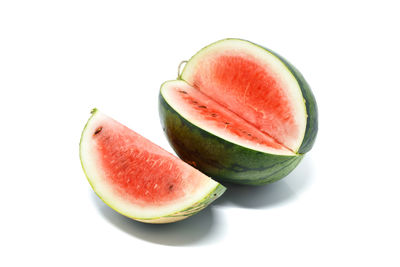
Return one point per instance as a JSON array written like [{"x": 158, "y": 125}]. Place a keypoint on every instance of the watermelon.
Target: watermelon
[
  {"x": 240, "y": 113},
  {"x": 137, "y": 178}
]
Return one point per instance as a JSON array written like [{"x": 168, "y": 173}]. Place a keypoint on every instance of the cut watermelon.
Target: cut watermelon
[
  {"x": 239, "y": 113},
  {"x": 139, "y": 179}
]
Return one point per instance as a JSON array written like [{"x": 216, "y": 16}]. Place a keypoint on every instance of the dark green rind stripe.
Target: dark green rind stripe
[
  {"x": 284, "y": 170},
  {"x": 218, "y": 158}
]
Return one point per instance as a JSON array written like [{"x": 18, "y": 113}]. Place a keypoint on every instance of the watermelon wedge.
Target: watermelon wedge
[
  {"x": 137, "y": 178},
  {"x": 239, "y": 113}
]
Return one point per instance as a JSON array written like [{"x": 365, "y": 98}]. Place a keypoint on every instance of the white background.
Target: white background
[{"x": 59, "y": 59}]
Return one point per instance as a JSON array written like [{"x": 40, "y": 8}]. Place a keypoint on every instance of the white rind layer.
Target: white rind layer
[
  {"x": 152, "y": 214},
  {"x": 280, "y": 72}
]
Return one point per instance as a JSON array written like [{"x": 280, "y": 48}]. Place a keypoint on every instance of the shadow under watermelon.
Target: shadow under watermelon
[
  {"x": 207, "y": 226},
  {"x": 264, "y": 196},
  {"x": 199, "y": 228}
]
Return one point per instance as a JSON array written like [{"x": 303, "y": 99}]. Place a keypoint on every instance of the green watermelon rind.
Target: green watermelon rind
[
  {"x": 219, "y": 158},
  {"x": 308, "y": 96},
  {"x": 184, "y": 213}
]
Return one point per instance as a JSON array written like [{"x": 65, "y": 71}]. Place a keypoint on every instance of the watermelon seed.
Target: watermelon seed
[
  {"x": 183, "y": 92},
  {"x": 227, "y": 123},
  {"x": 195, "y": 102},
  {"x": 202, "y": 107},
  {"x": 98, "y": 130},
  {"x": 170, "y": 187},
  {"x": 192, "y": 163},
  {"x": 214, "y": 115}
]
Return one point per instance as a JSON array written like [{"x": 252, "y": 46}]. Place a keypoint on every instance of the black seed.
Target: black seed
[
  {"x": 98, "y": 130},
  {"x": 249, "y": 134},
  {"x": 215, "y": 195},
  {"x": 202, "y": 107},
  {"x": 214, "y": 115},
  {"x": 170, "y": 187},
  {"x": 194, "y": 102},
  {"x": 183, "y": 92},
  {"x": 227, "y": 123}
]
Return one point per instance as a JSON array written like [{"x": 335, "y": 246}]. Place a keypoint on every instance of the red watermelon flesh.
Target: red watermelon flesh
[
  {"x": 135, "y": 176},
  {"x": 139, "y": 171},
  {"x": 204, "y": 111},
  {"x": 255, "y": 85}
]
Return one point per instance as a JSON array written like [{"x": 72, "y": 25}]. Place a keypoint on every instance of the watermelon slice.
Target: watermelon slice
[
  {"x": 240, "y": 113},
  {"x": 139, "y": 179}
]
